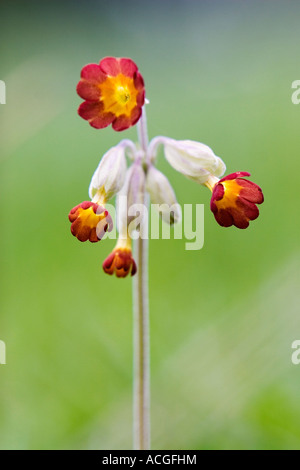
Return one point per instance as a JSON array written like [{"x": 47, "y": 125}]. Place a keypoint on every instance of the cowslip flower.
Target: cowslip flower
[
  {"x": 234, "y": 200},
  {"x": 120, "y": 261},
  {"x": 114, "y": 93},
  {"x": 90, "y": 220}
]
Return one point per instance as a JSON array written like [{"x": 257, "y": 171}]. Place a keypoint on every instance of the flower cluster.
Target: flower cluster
[{"x": 114, "y": 93}]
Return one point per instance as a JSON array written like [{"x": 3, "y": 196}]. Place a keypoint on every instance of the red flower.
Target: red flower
[
  {"x": 234, "y": 200},
  {"x": 120, "y": 262},
  {"x": 90, "y": 222},
  {"x": 114, "y": 92}
]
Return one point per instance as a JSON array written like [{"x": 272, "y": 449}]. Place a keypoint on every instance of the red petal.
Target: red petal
[
  {"x": 110, "y": 66},
  {"x": 218, "y": 192},
  {"x": 224, "y": 218},
  {"x": 139, "y": 82},
  {"x": 93, "y": 72},
  {"x": 135, "y": 115},
  {"x": 122, "y": 123},
  {"x": 102, "y": 121},
  {"x": 248, "y": 208},
  {"x": 93, "y": 112},
  {"x": 251, "y": 191},
  {"x": 128, "y": 67},
  {"x": 140, "y": 99},
  {"x": 108, "y": 262},
  {"x": 213, "y": 206},
  {"x": 237, "y": 174},
  {"x": 88, "y": 90},
  {"x": 90, "y": 109},
  {"x": 93, "y": 236},
  {"x": 82, "y": 232},
  {"x": 239, "y": 218}
]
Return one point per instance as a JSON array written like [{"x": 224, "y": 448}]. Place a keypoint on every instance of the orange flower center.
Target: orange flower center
[
  {"x": 231, "y": 193},
  {"x": 118, "y": 95},
  {"x": 89, "y": 217}
]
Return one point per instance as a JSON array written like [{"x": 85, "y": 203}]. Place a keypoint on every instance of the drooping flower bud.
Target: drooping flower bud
[
  {"x": 193, "y": 159},
  {"x": 162, "y": 195},
  {"x": 136, "y": 185},
  {"x": 109, "y": 177},
  {"x": 130, "y": 202}
]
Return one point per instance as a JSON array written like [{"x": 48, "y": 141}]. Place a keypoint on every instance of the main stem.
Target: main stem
[{"x": 141, "y": 388}]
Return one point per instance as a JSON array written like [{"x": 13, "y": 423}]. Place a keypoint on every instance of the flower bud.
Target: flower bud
[
  {"x": 136, "y": 185},
  {"x": 109, "y": 177},
  {"x": 194, "y": 159},
  {"x": 162, "y": 194},
  {"x": 130, "y": 199}
]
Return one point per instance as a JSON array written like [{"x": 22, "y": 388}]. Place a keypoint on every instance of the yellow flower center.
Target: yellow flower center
[
  {"x": 232, "y": 191},
  {"x": 118, "y": 95},
  {"x": 89, "y": 218},
  {"x": 123, "y": 94}
]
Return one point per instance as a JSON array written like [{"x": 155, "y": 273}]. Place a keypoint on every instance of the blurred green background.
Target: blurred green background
[{"x": 223, "y": 318}]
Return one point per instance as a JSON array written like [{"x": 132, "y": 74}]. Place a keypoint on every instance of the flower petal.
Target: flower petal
[
  {"x": 110, "y": 66},
  {"x": 195, "y": 160},
  {"x": 88, "y": 90},
  {"x": 110, "y": 174},
  {"x": 92, "y": 111},
  {"x": 239, "y": 218},
  {"x": 139, "y": 82},
  {"x": 93, "y": 73},
  {"x": 100, "y": 122},
  {"x": 235, "y": 175},
  {"x": 224, "y": 218},
  {"x": 128, "y": 67},
  {"x": 140, "y": 99},
  {"x": 249, "y": 208},
  {"x": 251, "y": 191},
  {"x": 124, "y": 122}
]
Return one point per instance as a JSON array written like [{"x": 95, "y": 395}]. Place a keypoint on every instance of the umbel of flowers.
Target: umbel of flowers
[{"x": 114, "y": 94}]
